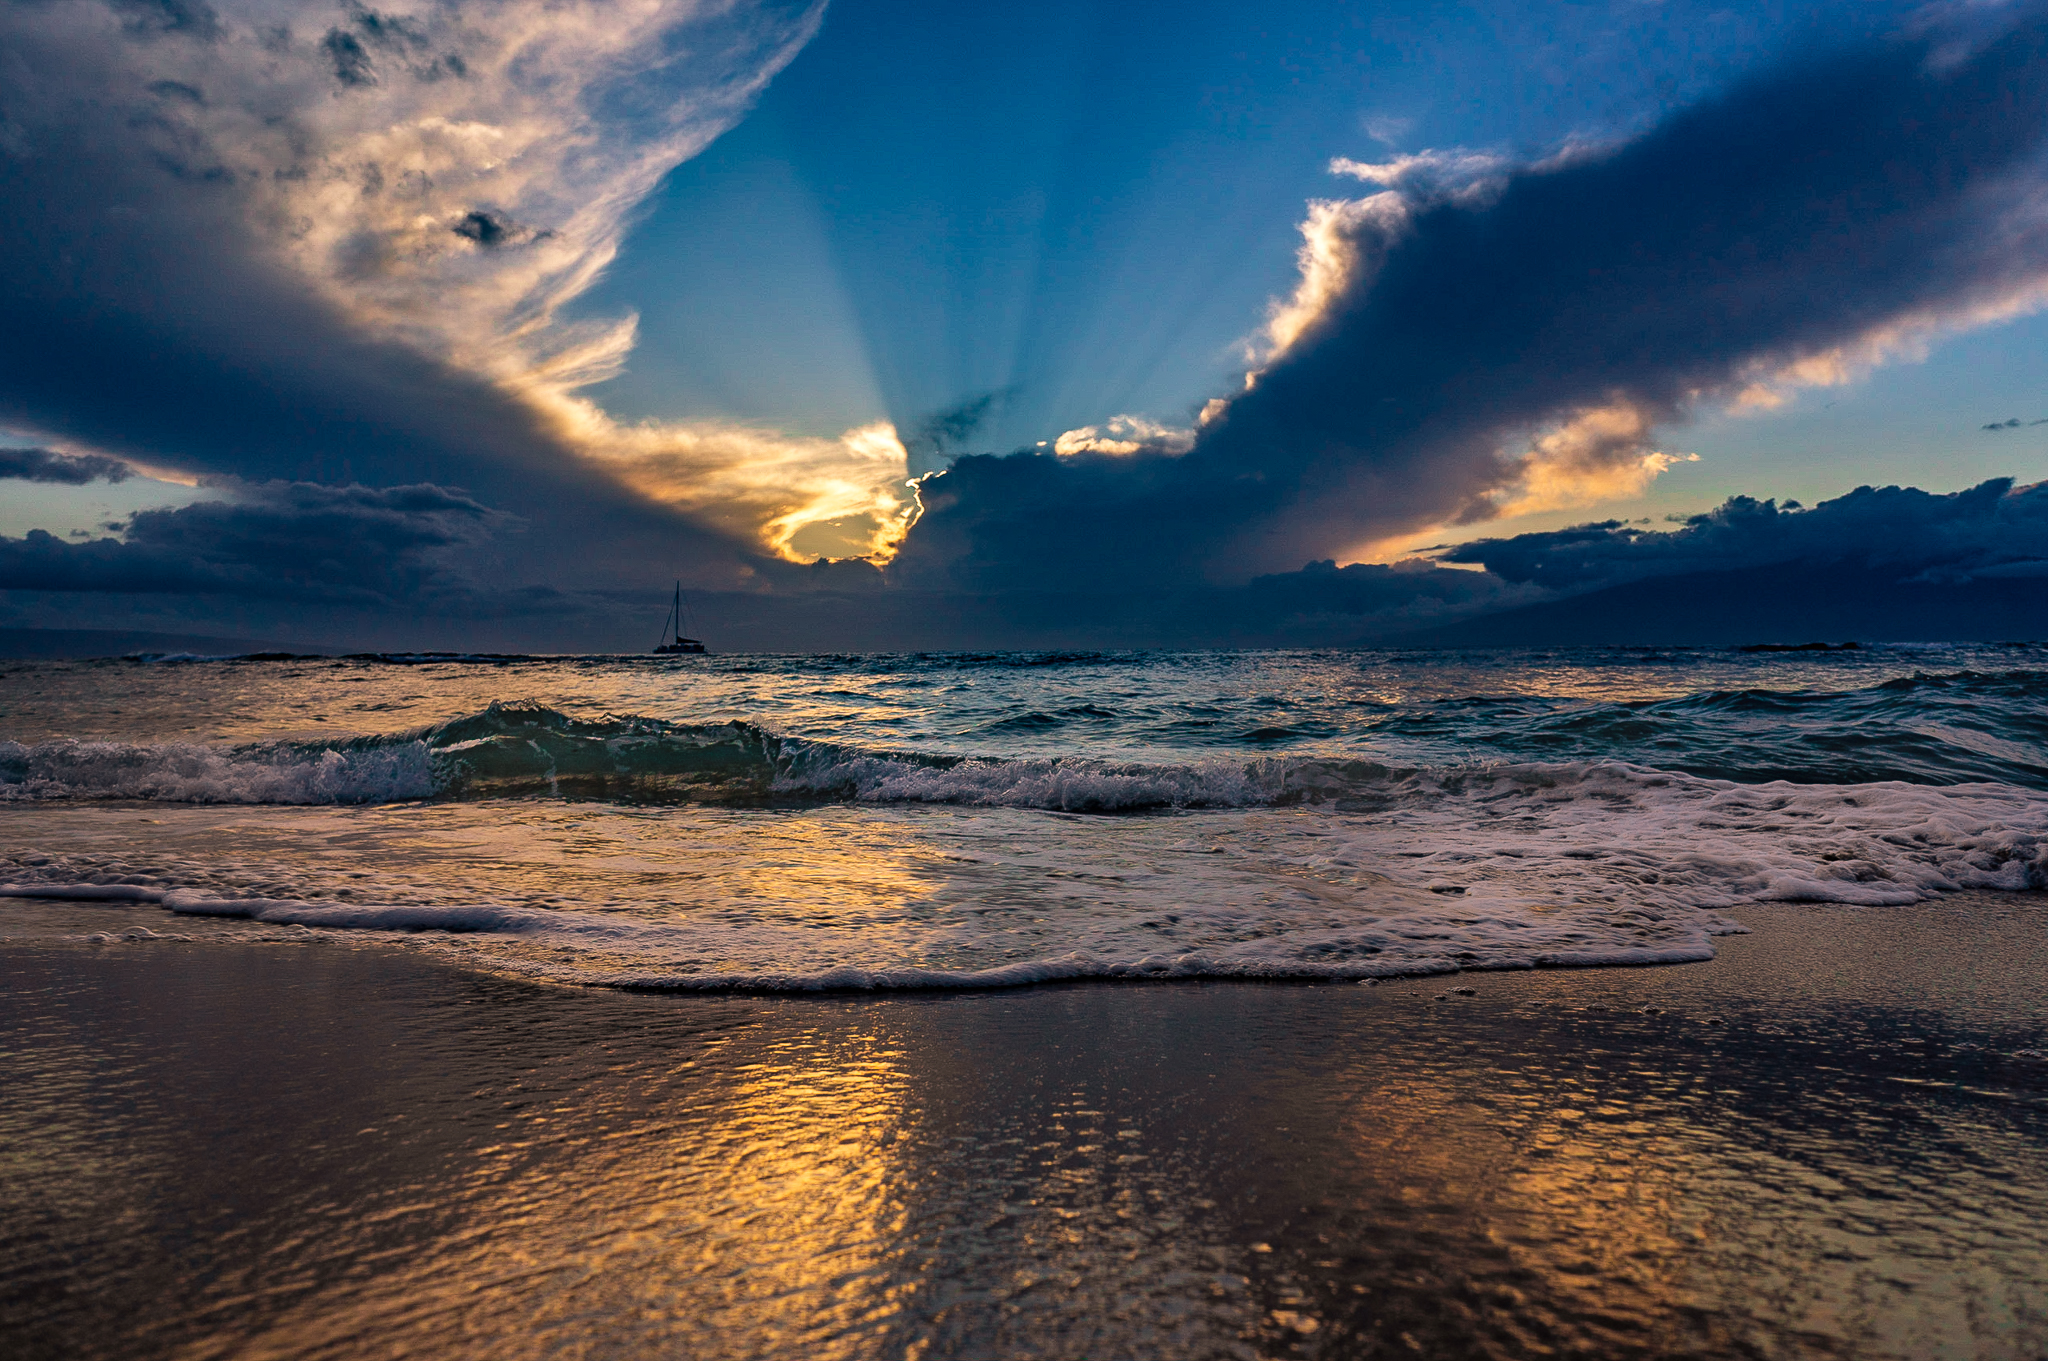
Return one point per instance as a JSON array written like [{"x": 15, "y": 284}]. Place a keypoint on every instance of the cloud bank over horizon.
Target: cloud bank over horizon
[
  {"x": 284, "y": 541},
  {"x": 363, "y": 555},
  {"x": 1991, "y": 531}
]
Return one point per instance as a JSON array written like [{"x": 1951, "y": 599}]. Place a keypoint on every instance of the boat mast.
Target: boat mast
[{"x": 679, "y": 611}]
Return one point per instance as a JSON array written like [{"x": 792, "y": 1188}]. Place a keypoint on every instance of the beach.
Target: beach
[
  {"x": 912, "y": 681},
  {"x": 1830, "y": 1140}
]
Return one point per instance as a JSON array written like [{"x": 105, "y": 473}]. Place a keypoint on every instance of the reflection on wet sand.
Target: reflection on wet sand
[
  {"x": 266, "y": 1150},
  {"x": 749, "y": 1213}
]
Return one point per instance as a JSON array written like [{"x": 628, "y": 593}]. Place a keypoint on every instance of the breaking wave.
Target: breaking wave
[
  {"x": 1343, "y": 819},
  {"x": 1959, "y": 728},
  {"x": 522, "y": 749},
  {"x": 1950, "y": 728},
  {"x": 1509, "y": 867}
]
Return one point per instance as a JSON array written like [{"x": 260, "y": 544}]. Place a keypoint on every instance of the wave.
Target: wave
[
  {"x": 1503, "y": 868},
  {"x": 669, "y": 958},
  {"x": 1946, "y": 728},
  {"x": 387, "y": 658},
  {"x": 1396, "y": 872},
  {"x": 1954, "y": 728},
  {"x": 182, "y": 772},
  {"x": 523, "y": 749},
  {"x": 818, "y": 660},
  {"x": 194, "y": 658}
]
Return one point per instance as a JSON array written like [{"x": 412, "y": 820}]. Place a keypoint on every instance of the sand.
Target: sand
[{"x": 1830, "y": 1141}]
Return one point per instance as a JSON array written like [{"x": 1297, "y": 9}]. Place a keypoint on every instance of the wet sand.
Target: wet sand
[{"x": 1831, "y": 1141}]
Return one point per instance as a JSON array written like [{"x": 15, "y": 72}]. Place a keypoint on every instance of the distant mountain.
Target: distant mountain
[
  {"x": 56, "y": 643},
  {"x": 1789, "y": 603}
]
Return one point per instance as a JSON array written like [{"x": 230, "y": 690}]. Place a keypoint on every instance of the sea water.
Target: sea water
[{"x": 987, "y": 819}]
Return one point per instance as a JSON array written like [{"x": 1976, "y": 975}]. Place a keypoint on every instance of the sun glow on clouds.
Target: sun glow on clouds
[
  {"x": 803, "y": 498},
  {"x": 452, "y": 177},
  {"x": 1125, "y": 435},
  {"x": 1600, "y": 453},
  {"x": 1332, "y": 266},
  {"x": 1908, "y": 339}
]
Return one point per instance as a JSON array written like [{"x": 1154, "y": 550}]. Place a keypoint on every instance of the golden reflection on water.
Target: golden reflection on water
[
  {"x": 753, "y": 1222},
  {"x": 664, "y": 893},
  {"x": 1573, "y": 1197},
  {"x": 1601, "y": 1205},
  {"x": 327, "y": 1153}
]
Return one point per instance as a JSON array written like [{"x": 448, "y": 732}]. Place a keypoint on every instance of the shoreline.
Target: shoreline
[{"x": 1826, "y": 1141}]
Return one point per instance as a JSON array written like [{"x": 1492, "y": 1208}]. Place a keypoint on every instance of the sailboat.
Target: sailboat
[{"x": 672, "y": 640}]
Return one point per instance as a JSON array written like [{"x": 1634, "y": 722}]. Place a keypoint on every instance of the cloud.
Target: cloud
[
  {"x": 1320, "y": 605},
  {"x": 1387, "y": 128},
  {"x": 1990, "y": 531},
  {"x": 2014, "y": 424},
  {"x": 1472, "y": 176},
  {"x": 318, "y": 244},
  {"x": 1483, "y": 337},
  {"x": 1125, "y": 435},
  {"x": 294, "y": 541},
  {"x": 47, "y": 465},
  {"x": 804, "y": 498},
  {"x": 449, "y": 177},
  {"x": 318, "y": 240}
]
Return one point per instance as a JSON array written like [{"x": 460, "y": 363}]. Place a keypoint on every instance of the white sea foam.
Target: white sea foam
[
  {"x": 179, "y": 772},
  {"x": 86, "y": 893},
  {"x": 1505, "y": 867},
  {"x": 1399, "y": 936},
  {"x": 1071, "y": 785},
  {"x": 1674, "y": 838}
]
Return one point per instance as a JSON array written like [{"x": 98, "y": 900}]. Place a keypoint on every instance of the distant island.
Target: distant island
[{"x": 1758, "y": 607}]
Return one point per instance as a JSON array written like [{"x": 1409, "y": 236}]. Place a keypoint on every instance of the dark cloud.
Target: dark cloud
[
  {"x": 1318, "y": 606},
  {"x": 1822, "y": 602},
  {"x": 349, "y": 48},
  {"x": 396, "y": 567},
  {"x": 154, "y": 18},
  {"x": 2014, "y": 424},
  {"x": 1992, "y": 530},
  {"x": 144, "y": 317},
  {"x": 352, "y": 65},
  {"x": 493, "y": 230},
  {"x": 1803, "y": 210},
  {"x": 298, "y": 541},
  {"x": 1890, "y": 562},
  {"x": 392, "y": 32},
  {"x": 483, "y": 228},
  {"x": 177, "y": 89},
  {"x": 75, "y": 470}
]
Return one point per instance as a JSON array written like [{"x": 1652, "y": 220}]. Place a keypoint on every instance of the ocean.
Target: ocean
[{"x": 801, "y": 823}]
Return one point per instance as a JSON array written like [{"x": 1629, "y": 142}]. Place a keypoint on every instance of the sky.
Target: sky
[{"x": 887, "y": 324}]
